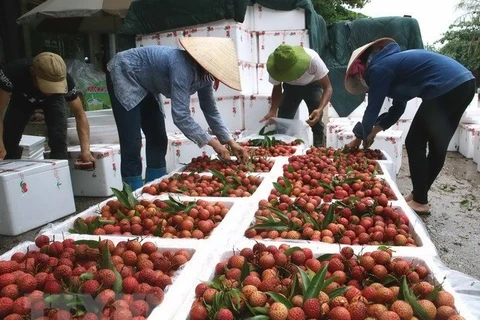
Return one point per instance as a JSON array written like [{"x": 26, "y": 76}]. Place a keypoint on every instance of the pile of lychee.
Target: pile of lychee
[
  {"x": 284, "y": 283},
  {"x": 86, "y": 279}
]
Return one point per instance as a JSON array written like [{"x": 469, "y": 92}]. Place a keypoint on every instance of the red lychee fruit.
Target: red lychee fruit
[
  {"x": 198, "y": 312},
  {"x": 63, "y": 272},
  {"x": 312, "y": 307},
  {"x": 155, "y": 297},
  {"x": 139, "y": 308},
  {"x": 358, "y": 310},
  {"x": 8, "y": 266},
  {"x": 106, "y": 277},
  {"x": 6, "y": 279},
  {"x": 403, "y": 309},
  {"x": 90, "y": 287},
  {"x": 106, "y": 297},
  {"x": 339, "y": 313},
  {"x": 11, "y": 291},
  {"x": 296, "y": 313},
  {"x": 6, "y": 306},
  {"x": 52, "y": 287},
  {"x": 257, "y": 299},
  {"x": 22, "y": 305},
  {"x": 121, "y": 314},
  {"x": 224, "y": 314},
  {"x": 129, "y": 284},
  {"x": 42, "y": 240},
  {"x": 278, "y": 311},
  {"x": 26, "y": 283},
  {"x": 444, "y": 298}
]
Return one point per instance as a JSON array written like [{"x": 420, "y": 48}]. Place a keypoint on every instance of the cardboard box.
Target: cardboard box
[
  {"x": 33, "y": 193},
  {"x": 268, "y": 41},
  {"x": 269, "y": 19}
]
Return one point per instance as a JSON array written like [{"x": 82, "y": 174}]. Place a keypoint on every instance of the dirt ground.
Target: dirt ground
[{"x": 454, "y": 224}]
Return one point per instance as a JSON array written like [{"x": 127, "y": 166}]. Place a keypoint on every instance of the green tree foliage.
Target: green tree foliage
[
  {"x": 462, "y": 41},
  {"x": 337, "y": 10}
]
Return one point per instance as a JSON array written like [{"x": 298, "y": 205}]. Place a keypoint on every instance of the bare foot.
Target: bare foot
[
  {"x": 418, "y": 207},
  {"x": 408, "y": 197}
]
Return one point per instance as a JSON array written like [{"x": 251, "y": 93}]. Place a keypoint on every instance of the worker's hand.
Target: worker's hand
[
  {"x": 221, "y": 151},
  {"x": 354, "y": 143},
  {"x": 371, "y": 137},
  {"x": 87, "y": 157},
  {"x": 239, "y": 152},
  {"x": 314, "y": 117},
  {"x": 3, "y": 152},
  {"x": 268, "y": 116}
]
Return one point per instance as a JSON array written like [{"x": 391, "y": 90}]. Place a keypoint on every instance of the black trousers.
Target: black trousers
[
  {"x": 18, "y": 115},
  {"x": 434, "y": 125},
  {"x": 291, "y": 98}
]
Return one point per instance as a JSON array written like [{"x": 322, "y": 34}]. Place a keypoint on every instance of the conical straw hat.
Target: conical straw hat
[
  {"x": 352, "y": 85},
  {"x": 217, "y": 56}
]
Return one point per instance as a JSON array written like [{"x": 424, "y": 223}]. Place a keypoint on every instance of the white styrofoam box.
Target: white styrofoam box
[
  {"x": 455, "y": 141},
  {"x": 264, "y": 86},
  {"x": 268, "y": 41},
  {"x": 476, "y": 147},
  {"x": 331, "y": 112},
  {"x": 98, "y": 135},
  {"x": 106, "y": 175},
  {"x": 31, "y": 144},
  {"x": 270, "y": 19},
  {"x": 390, "y": 141},
  {"x": 37, "y": 155},
  {"x": 171, "y": 39},
  {"x": 232, "y": 111},
  {"x": 184, "y": 150},
  {"x": 196, "y": 31},
  {"x": 181, "y": 279},
  {"x": 245, "y": 41},
  {"x": 195, "y": 112},
  {"x": 256, "y": 107},
  {"x": 94, "y": 120},
  {"x": 411, "y": 108},
  {"x": 333, "y": 124},
  {"x": 467, "y": 134},
  {"x": 33, "y": 193},
  {"x": 404, "y": 126},
  {"x": 248, "y": 78}
]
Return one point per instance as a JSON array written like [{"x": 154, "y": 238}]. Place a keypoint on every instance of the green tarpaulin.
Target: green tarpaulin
[{"x": 334, "y": 44}]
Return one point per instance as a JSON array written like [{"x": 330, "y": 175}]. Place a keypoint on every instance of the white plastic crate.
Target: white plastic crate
[
  {"x": 270, "y": 19},
  {"x": 268, "y": 41},
  {"x": 33, "y": 193}
]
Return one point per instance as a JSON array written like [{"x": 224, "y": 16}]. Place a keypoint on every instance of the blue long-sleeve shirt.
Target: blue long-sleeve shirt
[
  {"x": 176, "y": 75},
  {"x": 404, "y": 75}
]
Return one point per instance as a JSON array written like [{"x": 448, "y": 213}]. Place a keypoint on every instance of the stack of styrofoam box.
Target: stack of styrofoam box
[
  {"x": 102, "y": 128},
  {"x": 33, "y": 193},
  {"x": 33, "y": 147},
  {"x": 467, "y": 133}
]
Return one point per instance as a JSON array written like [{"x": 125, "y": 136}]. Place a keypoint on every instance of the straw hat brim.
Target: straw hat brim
[
  {"x": 217, "y": 56},
  {"x": 352, "y": 85}
]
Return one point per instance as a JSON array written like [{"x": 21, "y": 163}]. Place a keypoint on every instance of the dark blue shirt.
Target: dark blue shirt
[{"x": 404, "y": 75}]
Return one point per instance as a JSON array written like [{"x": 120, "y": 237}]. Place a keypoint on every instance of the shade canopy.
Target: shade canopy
[{"x": 100, "y": 16}]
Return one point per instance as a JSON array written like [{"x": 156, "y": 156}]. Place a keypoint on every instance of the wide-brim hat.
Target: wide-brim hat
[
  {"x": 217, "y": 56},
  {"x": 352, "y": 84},
  {"x": 288, "y": 63},
  {"x": 51, "y": 73}
]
